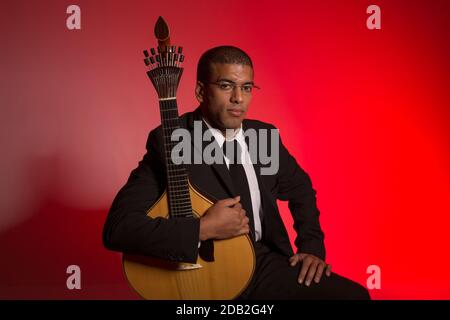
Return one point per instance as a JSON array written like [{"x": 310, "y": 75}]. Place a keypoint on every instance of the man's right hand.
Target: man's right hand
[{"x": 225, "y": 219}]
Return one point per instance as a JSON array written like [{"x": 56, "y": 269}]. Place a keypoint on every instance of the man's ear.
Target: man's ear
[{"x": 200, "y": 92}]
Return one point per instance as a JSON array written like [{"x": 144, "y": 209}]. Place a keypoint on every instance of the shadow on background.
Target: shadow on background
[{"x": 37, "y": 252}]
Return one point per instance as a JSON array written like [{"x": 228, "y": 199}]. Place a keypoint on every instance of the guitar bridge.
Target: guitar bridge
[{"x": 188, "y": 266}]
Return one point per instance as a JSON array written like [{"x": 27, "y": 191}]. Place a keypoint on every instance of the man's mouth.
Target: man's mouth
[{"x": 236, "y": 112}]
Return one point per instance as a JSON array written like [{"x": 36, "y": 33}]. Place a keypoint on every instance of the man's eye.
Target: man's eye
[
  {"x": 247, "y": 88},
  {"x": 225, "y": 86}
]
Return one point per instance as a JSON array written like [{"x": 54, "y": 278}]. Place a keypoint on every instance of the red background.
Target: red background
[{"x": 365, "y": 112}]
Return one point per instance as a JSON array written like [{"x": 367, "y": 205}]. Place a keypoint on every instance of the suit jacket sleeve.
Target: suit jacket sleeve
[
  {"x": 128, "y": 228},
  {"x": 294, "y": 185}
]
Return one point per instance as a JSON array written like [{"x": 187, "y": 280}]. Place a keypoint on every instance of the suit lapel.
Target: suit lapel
[{"x": 220, "y": 170}]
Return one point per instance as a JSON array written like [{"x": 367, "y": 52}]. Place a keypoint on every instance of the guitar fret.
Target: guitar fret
[
  {"x": 181, "y": 206},
  {"x": 178, "y": 169},
  {"x": 184, "y": 202},
  {"x": 178, "y": 194},
  {"x": 178, "y": 180},
  {"x": 178, "y": 175},
  {"x": 170, "y": 109},
  {"x": 170, "y": 118},
  {"x": 181, "y": 199},
  {"x": 171, "y": 113},
  {"x": 172, "y": 125},
  {"x": 177, "y": 188},
  {"x": 178, "y": 184},
  {"x": 173, "y": 175}
]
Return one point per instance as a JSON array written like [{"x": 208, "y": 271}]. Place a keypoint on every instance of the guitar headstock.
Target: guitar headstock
[{"x": 164, "y": 63}]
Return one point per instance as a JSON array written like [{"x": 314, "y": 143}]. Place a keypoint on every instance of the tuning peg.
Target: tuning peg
[
  {"x": 152, "y": 50},
  {"x": 180, "y": 50},
  {"x": 146, "y": 53},
  {"x": 181, "y": 58},
  {"x": 146, "y": 61},
  {"x": 152, "y": 60}
]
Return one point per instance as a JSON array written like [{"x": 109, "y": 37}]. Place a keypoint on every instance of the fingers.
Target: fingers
[
  {"x": 243, "y": 225},
  {"x": 245, "y": 229},
  {"x": 311, "y": 272},
  {"x": 241, "y": 211},
  {"x": 328, "y": 271},
  {"x": 305, "y": 267},
  {"x": 312, "y": 268},
  {"x": 319, "y": 272},
  {"x": 294, "y": 259},
  {"x": 237, "y": 206},
  {"x": 229, "y": 201}
]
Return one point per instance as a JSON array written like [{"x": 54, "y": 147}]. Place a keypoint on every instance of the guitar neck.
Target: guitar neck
[{"x": 177, "y": 181}]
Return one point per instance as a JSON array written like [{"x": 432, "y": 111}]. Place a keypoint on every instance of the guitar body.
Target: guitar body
[{"x": 224, "y": 278}]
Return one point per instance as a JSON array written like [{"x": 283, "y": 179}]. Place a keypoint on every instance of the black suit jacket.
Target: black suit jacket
[{"x": 128, "y": 229}]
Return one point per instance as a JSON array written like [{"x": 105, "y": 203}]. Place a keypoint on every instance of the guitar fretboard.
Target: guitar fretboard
[{"x": 177, "y": 181}]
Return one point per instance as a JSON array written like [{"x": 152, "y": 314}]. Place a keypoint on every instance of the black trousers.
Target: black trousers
[{"x": 275, "y": 279}]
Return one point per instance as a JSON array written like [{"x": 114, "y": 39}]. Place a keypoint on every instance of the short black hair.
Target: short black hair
[{"x": 221, "y": 54}]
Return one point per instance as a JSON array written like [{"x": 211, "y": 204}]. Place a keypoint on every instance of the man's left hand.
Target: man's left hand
[{"x": 312, "y": 267}]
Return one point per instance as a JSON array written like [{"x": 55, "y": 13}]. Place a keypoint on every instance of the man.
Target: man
[{"x": 248, "y": 205}]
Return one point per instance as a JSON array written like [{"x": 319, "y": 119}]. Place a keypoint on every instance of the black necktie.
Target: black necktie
[{"x": 240, "y": 181}]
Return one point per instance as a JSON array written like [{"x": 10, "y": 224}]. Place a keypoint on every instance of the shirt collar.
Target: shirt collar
[{"x": 220, "y": 138}]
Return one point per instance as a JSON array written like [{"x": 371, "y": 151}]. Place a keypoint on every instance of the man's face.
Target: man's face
[{"x": 225, "y": 98}]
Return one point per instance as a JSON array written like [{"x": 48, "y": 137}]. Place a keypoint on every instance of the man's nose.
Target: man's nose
[{"x": 236, "y": 95}]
